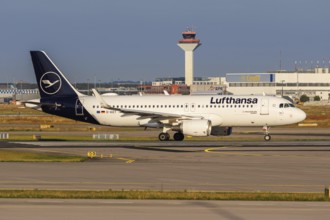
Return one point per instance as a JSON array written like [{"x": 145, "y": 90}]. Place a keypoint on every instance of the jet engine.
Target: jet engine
[
  {"x": 196, "y": 127},
  {"x": 221, "y": 131}
]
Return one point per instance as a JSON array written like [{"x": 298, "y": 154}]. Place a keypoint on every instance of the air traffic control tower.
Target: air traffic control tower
[{"x": 189, "y": 44}]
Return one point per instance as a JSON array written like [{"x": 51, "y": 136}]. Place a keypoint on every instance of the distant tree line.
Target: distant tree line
[{"x": 305, "y": 98}]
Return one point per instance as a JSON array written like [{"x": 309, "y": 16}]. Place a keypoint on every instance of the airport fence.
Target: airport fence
[{"x": 106, "y": 136}]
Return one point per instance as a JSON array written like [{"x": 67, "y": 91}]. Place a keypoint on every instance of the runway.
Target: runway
[
  {"x": 204, "y": 166},
  {"x": 54, "y": 209}
]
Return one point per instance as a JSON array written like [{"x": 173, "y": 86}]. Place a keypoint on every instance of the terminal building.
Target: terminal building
[
  {"x": 314, "y": 82},
  {"x": 10, "y": 93}
]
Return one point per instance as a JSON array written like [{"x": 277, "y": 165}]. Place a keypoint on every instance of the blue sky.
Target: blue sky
[{"x": 136, "y": 40}]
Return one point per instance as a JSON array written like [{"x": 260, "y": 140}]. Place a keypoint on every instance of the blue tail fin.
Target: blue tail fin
[
  {"x": 50, "y": 80},
  {"x": 58, "y": 96}
]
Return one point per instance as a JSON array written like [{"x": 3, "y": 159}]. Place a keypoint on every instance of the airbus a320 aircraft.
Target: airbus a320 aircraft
[{"x": 186, "y": 115}]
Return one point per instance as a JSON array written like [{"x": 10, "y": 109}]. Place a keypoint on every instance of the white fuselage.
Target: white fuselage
[{"x": 225, "y": 110}]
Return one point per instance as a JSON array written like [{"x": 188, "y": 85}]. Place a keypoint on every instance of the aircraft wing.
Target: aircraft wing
[
  {"x": 155, "y": 115},
  {"x": 143, "y": 113}
]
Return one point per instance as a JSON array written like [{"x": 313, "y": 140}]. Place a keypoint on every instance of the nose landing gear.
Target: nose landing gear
[{"x": 267, "y": 136}]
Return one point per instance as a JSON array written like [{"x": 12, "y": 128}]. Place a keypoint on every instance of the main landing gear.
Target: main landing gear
[
  {"x": 178, "y": 136},
  {"x": 267, "y": 136},
  {"x": 166, "y": 137}
]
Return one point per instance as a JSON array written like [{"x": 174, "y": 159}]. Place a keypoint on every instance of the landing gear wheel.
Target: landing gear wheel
[
  {"x": 164, "y": 136},
  {"x": 267, "y": 137},
  {"x": 178, "y": 136}
]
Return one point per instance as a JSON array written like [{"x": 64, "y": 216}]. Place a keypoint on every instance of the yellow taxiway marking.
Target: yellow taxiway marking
[
  {"x": 215, "y": 150},
  {"x": 211, "y": 150},
  {"x": 126, "y": 159}
]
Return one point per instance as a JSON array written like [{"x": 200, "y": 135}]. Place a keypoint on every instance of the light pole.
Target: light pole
[
  {"x": 87, "y": 86},
  {"x": 282, "y": 86}
]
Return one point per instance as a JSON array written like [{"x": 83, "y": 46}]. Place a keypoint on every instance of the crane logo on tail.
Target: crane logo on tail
[{"x": 50, "y": 83}]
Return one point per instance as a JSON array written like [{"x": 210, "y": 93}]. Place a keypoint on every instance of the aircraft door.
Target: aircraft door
[
  {"x": 79, "y": 108},
  {"x": 264, "y": 108},
  {"x": 281, "y": 111}
]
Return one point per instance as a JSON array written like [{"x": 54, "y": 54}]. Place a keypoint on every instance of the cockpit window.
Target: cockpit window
[{"x": 286, "y": 105}]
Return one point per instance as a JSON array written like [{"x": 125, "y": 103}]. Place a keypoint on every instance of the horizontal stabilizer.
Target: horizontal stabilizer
[{"x": 35, "y": 103}]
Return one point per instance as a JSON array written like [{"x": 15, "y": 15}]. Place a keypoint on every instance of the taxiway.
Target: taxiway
[{"x": 298, "y": 166}]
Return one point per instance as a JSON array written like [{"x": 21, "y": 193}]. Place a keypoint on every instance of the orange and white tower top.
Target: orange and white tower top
[{"x": 189, "y": 43}]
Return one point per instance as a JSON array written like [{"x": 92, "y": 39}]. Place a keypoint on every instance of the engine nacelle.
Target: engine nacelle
[
  {"x": 221, "y": 131},
  {"x": 196, "y": 127}
]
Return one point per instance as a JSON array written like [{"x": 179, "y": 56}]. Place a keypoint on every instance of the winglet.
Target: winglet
[
  {"x": 100, "y": 99},
  {"x": 166, "y": 92}
]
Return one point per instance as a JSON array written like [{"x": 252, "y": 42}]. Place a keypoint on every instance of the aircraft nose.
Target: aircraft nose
[{"x": 300, "y": 115}]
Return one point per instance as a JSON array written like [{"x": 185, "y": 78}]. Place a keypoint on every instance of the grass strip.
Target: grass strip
[
  {"x": 163, "y": 195},
  {"x": 20, "y": 156}
]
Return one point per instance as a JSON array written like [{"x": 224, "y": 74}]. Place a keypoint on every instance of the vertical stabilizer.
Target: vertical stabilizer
[{"x": 50, "y": 80}]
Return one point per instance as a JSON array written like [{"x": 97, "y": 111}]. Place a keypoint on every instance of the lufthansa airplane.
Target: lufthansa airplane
[{"x": 185, "y": 115}]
